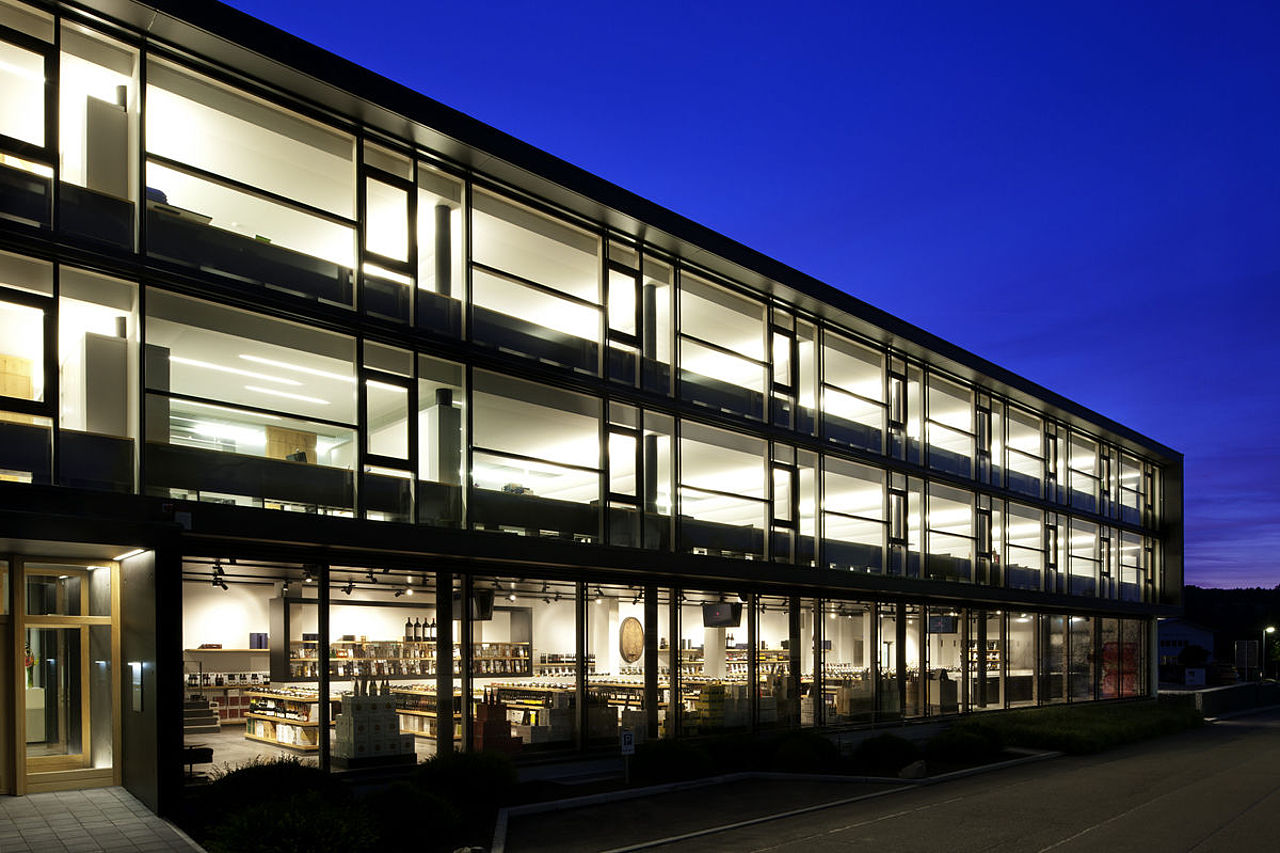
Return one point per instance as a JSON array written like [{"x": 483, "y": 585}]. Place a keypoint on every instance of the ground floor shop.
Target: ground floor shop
[{"x": 152, "y": 667}]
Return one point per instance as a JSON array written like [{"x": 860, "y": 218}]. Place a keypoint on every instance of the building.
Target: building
[
  {"x": 1176, "y": 634},
  {"x": 308, "y": 379}
]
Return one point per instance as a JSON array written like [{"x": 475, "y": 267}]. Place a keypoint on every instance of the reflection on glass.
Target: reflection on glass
[
  {"x": 54, "y": 722},
  {"x": 97, "y": 120}
]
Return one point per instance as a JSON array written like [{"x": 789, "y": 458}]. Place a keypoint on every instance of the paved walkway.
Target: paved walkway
[{"x": 98, "y": 819}]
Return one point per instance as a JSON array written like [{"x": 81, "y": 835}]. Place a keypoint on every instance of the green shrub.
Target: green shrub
[
  {"x": 432, "y": 823},
  {"x": 1086, "y": 728},
  {"x": 658, "y": 761},
  {"x": 300, "y": 822},
  {"x": 965, "y": 746},
  {"x": 885, "y": 755},
  {"x": 473, "y": 784},
  {"x": 804, "y": 751}
]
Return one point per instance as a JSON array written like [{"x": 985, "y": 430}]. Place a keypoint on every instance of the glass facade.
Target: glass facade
[{"x": 291, "y": 313}]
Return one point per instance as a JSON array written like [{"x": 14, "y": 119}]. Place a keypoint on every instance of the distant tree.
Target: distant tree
[{"x": 1193, "y": 656}]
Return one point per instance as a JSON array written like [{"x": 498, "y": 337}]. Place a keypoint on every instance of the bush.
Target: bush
[
  {"x": 885, "y": 755},
  {"x": 1085, "y": 729},
  {"x": 965, "y": 746},
  {"x": 473, "y": 784},
  {"x": 804, "y": 751},
  {"x": 658, "y": 761},
  {"x": 431, "y": 818},
  {"x": 298, "y": 823}
]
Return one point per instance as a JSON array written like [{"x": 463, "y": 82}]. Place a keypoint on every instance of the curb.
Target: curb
[{"x": 505, "y": 814}]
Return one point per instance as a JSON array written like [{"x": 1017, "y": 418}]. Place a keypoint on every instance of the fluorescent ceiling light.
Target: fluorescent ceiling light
[
  {"x": 222, "y": 368},
  {"x": 284, "y": 365},
  {"x": 135, "y": 552},
  {"x": 254, "y": 415},
  {"x": 302, "y": 397}
]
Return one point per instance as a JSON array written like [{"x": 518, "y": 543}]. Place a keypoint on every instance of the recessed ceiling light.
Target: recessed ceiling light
[
  {"x": 299, "y": 368},
  {"x": 222, "y": 368}
]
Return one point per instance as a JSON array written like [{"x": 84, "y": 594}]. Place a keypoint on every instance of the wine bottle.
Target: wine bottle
[
  {"x": 432, "y": 630},
  {"x": 417, "y": 630},
  {"x": 408, "y": 630}
]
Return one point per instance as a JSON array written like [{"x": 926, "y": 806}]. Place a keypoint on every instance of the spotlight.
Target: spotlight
[
  {"x": 399, "y": 592},
  {"x": 546, "y": 599},
  {"x": 350, "y": 586},
  {"x": 511, "y": 596},
  {"x": 217, "y": 569},
  {"x": 371, "y": 578},
  {"x": 599, "y": 596},
  {"x": 308, "y": 575},
  {"x": 220, "y": 582},
  {"x": 408, "y": 590}
]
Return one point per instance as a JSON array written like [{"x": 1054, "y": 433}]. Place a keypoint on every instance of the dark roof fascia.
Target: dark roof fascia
[{"x": 261, "y": 51}]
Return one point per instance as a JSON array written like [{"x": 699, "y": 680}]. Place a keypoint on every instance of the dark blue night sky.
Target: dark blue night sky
[{"x": 1085, "y": 193}]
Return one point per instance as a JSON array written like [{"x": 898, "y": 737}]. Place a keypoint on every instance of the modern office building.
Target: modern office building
[{"x": 308, "y": 383}]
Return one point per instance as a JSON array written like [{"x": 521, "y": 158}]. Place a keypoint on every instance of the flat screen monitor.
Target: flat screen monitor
[
  {"x": 722, "y": 615},
  {"x": 942, "y": 624}
]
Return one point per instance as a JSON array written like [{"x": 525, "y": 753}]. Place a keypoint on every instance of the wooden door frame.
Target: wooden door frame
[{"x": 64, "y": 772}]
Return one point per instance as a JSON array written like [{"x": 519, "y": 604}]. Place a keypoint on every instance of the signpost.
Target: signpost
[{"x": 627, "y": 743}]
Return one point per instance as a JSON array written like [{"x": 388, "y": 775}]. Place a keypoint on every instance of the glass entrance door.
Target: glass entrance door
[{"x": 67, "y": 704}]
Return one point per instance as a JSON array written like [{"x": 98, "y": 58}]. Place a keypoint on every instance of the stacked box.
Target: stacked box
[{"x": 368, "y": 727}]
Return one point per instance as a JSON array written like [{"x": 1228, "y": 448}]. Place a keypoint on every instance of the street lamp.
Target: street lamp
[{"x": 1262, "y": 652}]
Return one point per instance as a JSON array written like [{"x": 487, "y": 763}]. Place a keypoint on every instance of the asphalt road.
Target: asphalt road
[{"x": 1214, "y": 789}]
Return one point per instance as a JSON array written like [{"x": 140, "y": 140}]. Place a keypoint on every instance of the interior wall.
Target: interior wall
[{"x": 213, "y": 615}]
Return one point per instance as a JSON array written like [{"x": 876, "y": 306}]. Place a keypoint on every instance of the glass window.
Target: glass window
[
  {"x": 193, "y": 120},
  {"x": 25, "y": 448},
  {"x": 221, "y": 353},
  {"x": 723, "y": 492},
  {"x": 440, "y": 251},
  {"x": 517, "y": 240},
  {"x": 1021, "y": 654},
  {"x": 784, "y": 660},
  {"x": 950, "y": 429},
  {"x": 853, "y": 516},
  {"x": 848, "y": 648},
  {"x": 722, "y": 348},
  {"x": 226, "y": 383},
  {"x": 853, "y": 401},
  {"x": 1053, "y": 659},
  {"x": 97, "y": 120},
  {"x": 1084, "y": 558},
  {"x": 1133, "y": 572},
  {"x": 1084, "y": 473},
  {"x": 616, "y": 634},
  {"x": 536, "y": 459},
  {"x": 98, "y": 380},
  {"x": 1130, "y": 489},
  {"x": 22, "y": 80},
  {"x": 21, "y": 351},
  {"x": 951, "y": 535},
  {"x": 386, "y": 220},
  {"x": 1026, "y": 452},
  {"x": 1024, "y": 562},
  {"x": 985, "y": 648},
  {"x": 658, "y": 455},
  {"x": 533, "y": 322},
  {"x": 441, "y": 442},
  {"x": 946, "y": 649},
  {"x": 655, "y": 317},
  {"x": 1082, "y": 658},
  {"x": 714, "y": 690}
]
